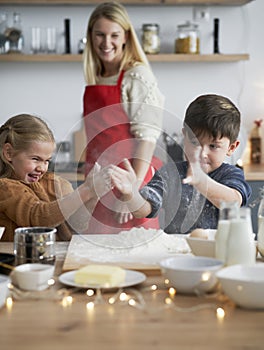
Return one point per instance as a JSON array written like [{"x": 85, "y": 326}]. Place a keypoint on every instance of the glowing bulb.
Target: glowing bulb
[
  {"x": 123, "y": 297},
  {"x": 220, "y": 313},
  {"x": 90, "y": 292},
  {"x": 206, "y": 276},
  {"x": 154, "y": 287},
  {"x": 9, "y": 303},
  {"x": 66, "y": 301},
  {"x": 168, "y": 301},
  {"x": 172, "y": 291},
  {"x": 51, "y": 282},
  {"x": 111, "y": 300},
  {"x": 90, "y": 305},
  {"x": 166, "y": 281},
  {"x": 132, "y": 302}
]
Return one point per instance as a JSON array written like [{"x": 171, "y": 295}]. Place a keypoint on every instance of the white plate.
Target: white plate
[{"x": 132, "y": 278}]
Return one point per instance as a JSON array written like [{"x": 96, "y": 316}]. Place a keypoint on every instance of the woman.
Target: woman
[{"x": 122, "y": 109}]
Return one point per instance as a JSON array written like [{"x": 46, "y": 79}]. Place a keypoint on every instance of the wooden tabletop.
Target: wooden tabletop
[{"x": 50, "y": 323}]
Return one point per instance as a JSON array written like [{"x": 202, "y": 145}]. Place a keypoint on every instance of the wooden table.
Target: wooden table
[{"x": 48, "y": 324}]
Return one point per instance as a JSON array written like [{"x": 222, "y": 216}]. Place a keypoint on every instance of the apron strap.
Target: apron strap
[{"x": 120, "y": 78}]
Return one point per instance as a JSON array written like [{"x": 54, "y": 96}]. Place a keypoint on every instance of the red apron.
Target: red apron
[{"x": 109, "y": 141}]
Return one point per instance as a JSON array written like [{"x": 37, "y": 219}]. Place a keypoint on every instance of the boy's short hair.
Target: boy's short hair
[{"x": 213, "y": 115}]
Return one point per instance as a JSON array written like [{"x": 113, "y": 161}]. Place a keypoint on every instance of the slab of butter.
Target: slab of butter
[{"x": 103, "y": 275}]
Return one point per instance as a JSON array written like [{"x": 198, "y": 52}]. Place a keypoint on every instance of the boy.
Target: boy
[{"x": 190, "y": 192}]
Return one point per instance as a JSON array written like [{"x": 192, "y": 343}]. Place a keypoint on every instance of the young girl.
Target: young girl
[
  {"x": 122, "y": 108},
  {"x": 31, "y": 196}
]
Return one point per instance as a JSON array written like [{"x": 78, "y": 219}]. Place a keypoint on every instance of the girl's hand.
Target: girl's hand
[{"x": 99, "y": 180}]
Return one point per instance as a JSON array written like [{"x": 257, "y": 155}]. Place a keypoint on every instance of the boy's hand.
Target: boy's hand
[
  {"x": 194, "y": 167},
  {"x": 124, "y": 180}
]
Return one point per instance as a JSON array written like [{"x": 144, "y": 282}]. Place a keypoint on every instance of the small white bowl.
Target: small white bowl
[
  {"x": 203, "y": 246},
  {"x": 4, "y": 280},
  {"x": 32, "y": 276},
  {"x": 191, "y": 274},
  {"x": 243, "y": 284}
]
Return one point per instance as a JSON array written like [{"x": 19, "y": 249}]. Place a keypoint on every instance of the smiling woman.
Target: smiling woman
[
  {"x": 122, "y": 109},
  {"x": 29, "y": 195}
]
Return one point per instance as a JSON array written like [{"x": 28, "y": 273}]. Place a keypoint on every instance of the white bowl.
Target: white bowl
[
  {"x": 4, "y": 280},
  {"x": 191, "y": 274},
  {"x": 203, "y": 246},
  {"x": 244, "y": 284},
  {"x": 32, "y": 276}
]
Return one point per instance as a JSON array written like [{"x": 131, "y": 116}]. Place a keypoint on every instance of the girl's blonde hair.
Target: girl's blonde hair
[
  {"x": 133, "y": 53},
  {"x": 20, "y": 131}
]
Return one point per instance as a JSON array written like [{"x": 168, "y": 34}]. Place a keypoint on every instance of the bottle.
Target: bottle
[
  {"x": 260, "y": 237},
  {"x": 3, "y": 26},
  {"x": 150, "y": 38},
  {"x": 227, "y": 212},
  {"x": 240, "y": 245},
  {"x": 14, "y": 35},
  {"x": 188, "y": 38}
]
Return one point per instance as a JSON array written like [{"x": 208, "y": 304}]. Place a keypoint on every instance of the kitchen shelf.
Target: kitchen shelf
[
  {"x": 152, "y": 58},
  {"x": 128, "y": 2}
]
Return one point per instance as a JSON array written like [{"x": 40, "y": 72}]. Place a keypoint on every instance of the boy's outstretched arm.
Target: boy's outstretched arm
[
  {"x": 214, "y": 191},
  {"x": 126, "y": 182}
]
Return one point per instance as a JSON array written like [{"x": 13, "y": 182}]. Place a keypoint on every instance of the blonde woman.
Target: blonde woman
[{"x": 122, "y": 109}]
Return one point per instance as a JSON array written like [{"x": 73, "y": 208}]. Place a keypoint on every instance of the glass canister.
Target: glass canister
[
  {"x": 35, "y": 245},
  {"x": 188, "y": 38},
  {"x": 150, "y": 38}
]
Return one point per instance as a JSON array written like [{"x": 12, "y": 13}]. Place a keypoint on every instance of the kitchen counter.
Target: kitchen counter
[{"x": 184, "y": 322}]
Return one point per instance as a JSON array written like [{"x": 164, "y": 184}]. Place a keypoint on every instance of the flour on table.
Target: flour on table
[{"x": 139, "y": 245}]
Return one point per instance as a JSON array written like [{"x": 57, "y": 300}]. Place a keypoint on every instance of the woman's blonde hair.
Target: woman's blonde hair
[
  {"x": 133, "y": 53},
  {"x": 20, "y": 131}
]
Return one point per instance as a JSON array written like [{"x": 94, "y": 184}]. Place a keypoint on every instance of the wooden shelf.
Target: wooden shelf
[
  {"x": 152, "y": 58},
  {"x": 128, "y": 2}
]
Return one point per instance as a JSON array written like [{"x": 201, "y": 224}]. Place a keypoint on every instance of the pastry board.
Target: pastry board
[{"x": 138, "y": 249}]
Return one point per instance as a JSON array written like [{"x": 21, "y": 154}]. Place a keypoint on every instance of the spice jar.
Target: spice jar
[
  {"x": 150, "y": 38},
  {"x": 188, "y": 38}
]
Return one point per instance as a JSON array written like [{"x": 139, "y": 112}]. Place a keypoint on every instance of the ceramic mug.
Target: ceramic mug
[{"x": 32, "y": 277}]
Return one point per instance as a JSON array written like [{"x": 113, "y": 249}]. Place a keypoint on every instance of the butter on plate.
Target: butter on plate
[{"x": 102, "y": 275}]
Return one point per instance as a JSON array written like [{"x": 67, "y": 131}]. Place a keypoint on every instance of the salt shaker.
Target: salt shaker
[
  {"x": 240, "y": 247},
  {"x": 228, "y": 210}
]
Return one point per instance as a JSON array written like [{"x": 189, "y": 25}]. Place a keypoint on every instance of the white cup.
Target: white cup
[
  {"x": 51, "y": 40},
  {"x": 32, "y": 277},
  {"x": 36, "y": 40}
]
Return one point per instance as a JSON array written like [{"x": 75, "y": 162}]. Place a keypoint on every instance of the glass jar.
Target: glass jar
[
  {"x": 188, "y": 38},
  {"x": 261, "y": 225},
  {"x": 14, "y": 35},
  {"x": 150, "y": 38}
]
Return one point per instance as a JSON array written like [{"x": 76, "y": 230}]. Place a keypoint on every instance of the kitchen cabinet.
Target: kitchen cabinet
[{"x": 128, "y": 2}]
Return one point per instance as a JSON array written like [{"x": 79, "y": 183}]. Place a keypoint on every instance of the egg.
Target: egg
[{"x": 199, "y": 233}]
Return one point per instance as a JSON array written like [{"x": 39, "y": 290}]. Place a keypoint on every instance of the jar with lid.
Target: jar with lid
[
  {"x": 150, "y": 38},
  {"x": 14, "y": 35},
  {"x": 188, "y": 38}
]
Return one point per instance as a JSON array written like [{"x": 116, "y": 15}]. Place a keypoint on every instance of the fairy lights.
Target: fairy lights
[
  {"x": 220, "y": 313},
  {"x": 9, "y": 303}
]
